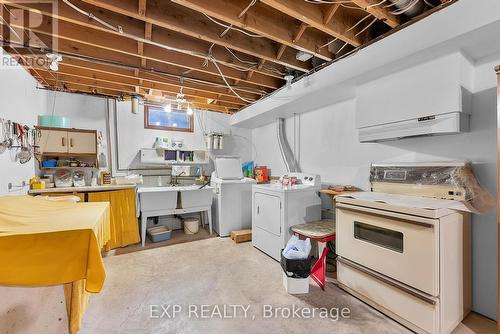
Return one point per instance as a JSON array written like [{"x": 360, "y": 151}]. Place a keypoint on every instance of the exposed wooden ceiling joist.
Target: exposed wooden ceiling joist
[
  {"x": 144, "y": 32},
  {"x": 93, "y": 41},
  {"x": 379, "y": 12},
  {"x": 261, "y": 20},
  {"x": 69, "y": 72},
  {"x": 221, "y": 54},
  {"x": 313, "y": 16},
  {"x": 157, "y": 79},
  {"x": 183, "y": 20},
  {"x": 118, "y": 90}
]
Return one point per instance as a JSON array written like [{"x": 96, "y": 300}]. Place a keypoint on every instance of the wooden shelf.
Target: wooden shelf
[
  {"x": 66, "y": 167},
  {"x": 67, "y": 155}
]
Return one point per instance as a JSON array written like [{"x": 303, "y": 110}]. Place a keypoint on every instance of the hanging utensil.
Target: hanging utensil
[
  {"x": 26, "y": 149},
  {"x": 24, "y": 154},
  {"x": 4, "y": 142},
  {"x": 9, "y": 135}
]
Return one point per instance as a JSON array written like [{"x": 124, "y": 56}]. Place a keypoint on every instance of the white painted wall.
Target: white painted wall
[
  {"x": 84, "y": 111},
  {"x": 20, "y": 307},
  {"x": 132, "y": 136},
  {"x": 327, "y": 144},
  {"x": 21, "y": 102}
]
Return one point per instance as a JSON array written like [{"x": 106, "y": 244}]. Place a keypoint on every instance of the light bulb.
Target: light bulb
[
  {"x": 168, "y": 107},
  {"x": 54, "y": 66},
  {"x": 189, "y": 110}
]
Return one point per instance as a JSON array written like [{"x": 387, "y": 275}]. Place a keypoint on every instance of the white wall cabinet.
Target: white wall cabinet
[{"x": 66, "y": 142}]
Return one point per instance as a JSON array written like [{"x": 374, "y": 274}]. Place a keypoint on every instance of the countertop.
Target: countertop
[{"x": 82, "y": 189}]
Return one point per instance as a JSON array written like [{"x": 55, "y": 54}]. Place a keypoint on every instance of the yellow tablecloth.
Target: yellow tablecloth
[
  {"x": 50, "y": 243},
  {"x": 124, "y": 226}
]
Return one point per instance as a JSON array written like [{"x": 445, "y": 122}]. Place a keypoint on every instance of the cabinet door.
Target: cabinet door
[
  {"x": 52, "y": 141},
  {"x": 267, "y": 213},
  {"x": 82, "y": 142}
]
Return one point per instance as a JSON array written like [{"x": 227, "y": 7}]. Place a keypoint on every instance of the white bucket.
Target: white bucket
[{"x": 191, "y": 225}]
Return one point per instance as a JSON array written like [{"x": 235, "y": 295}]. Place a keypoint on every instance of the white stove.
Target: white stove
[
  {"x": 407, "y": 256},
  {"x": 275, "y": 208}
]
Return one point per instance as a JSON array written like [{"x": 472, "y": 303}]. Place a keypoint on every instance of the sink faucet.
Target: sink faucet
[{"x": 173, "y": 179}]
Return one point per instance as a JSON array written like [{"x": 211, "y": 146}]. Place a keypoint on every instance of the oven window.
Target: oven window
[{"x": 379, "y": 236}]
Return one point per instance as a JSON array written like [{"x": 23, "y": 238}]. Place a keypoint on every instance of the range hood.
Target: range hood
[
  {"x": 449, "y": 123},
  {"x": 426, "y": 100}
]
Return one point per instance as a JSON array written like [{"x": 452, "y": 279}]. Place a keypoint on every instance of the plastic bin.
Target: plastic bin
[
  {"x": 159, "y": 233},
  {"x": 54, "y": 121}
]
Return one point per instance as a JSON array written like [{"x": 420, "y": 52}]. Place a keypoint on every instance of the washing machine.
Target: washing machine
[
  {"x": 232, "y": 197},
  {"x": 276, "y": 208}
]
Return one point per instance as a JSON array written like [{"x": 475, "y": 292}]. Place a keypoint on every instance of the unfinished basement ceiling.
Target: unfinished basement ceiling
[{"x": 217, "y": 55}]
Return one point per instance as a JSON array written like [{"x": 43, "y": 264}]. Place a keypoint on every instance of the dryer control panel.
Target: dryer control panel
[{"x": 313, "y": 180}]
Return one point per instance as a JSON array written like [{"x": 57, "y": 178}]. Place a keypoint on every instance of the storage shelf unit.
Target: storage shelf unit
[
  {"x": 66, "y": 143},
  {"x": 160, "y": 157}
]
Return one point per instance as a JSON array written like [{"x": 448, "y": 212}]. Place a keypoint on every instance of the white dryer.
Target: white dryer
[
  {"x": 275, "y": 208},
  {"x": 232, "y": 201}
]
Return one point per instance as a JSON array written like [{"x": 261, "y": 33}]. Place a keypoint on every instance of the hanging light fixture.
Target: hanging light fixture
[
  {"x": 134, "y": 104},
  {"x": 54, "y": 61}
]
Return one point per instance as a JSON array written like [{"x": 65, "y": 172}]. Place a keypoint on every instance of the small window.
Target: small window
[{"x": 155, "y": 117}]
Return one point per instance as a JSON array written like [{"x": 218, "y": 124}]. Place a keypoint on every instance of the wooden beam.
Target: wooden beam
[
  {"x": 173, "y": 17},
  {"x": 90, "y": 86},
  {"x": 280, "y": 51},
  {"x": 302, "y": 28},
  {"x": 151, "y": 80},
  {"x": 261, "y": 20},
  {"x": 379, "y": 12},
  {"x": 92, "y": 42},
  {"x": 330, "y": 12},
  {"x": 144, "y": 32},
  {"x": 71, "y": 72},
  {"x": 313, "y": 16}
]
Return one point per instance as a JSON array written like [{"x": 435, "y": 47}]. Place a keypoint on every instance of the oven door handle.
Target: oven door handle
[
  {"x": 386, "y": 280},
  {"x": 415, "y": 220}
]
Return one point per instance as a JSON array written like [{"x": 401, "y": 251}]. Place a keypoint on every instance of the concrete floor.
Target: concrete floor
[{"x": 214, "y": 272}]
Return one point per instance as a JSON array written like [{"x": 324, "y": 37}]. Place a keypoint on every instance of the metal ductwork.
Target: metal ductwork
[
  {"x": 408, "y": 8},
  {"x": 291, "y": 164}
]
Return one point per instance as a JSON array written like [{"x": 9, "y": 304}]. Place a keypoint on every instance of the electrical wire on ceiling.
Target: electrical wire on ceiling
[
  {"x": 208, "y": 57},
  {"x": 231, "y": 27},
  {"x": 214, "y": 61},
  {"x": 152, "y": 71},
  {"x": 254, "y": 64},
  {"x": 351, "y": 28},
  {"x": 328, "y": 1},
  {"x": 20, "y": 39},
  {"x": 93, "y": 17},
  {"x": 376, "y": 4},
  {"x": 253, "y": 2}
]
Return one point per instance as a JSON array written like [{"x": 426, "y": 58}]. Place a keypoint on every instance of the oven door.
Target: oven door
[{"x": 402, "y": 247}]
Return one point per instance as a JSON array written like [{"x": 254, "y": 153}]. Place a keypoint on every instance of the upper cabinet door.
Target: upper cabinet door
[
  {"x": 52, "y": 141},
  {"x": 82, "y": 142}
]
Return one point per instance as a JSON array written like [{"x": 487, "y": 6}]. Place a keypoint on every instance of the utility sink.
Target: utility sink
[
  {"x": 193, "y": 196},
  {"x": 174, "y": 197}
]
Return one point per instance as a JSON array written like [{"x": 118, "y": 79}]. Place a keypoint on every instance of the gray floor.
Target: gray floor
[{"x": 215, "y": 272}]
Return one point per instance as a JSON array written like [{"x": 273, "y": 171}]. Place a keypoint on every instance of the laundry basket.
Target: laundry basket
[{"x": 191, "y": 225}]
